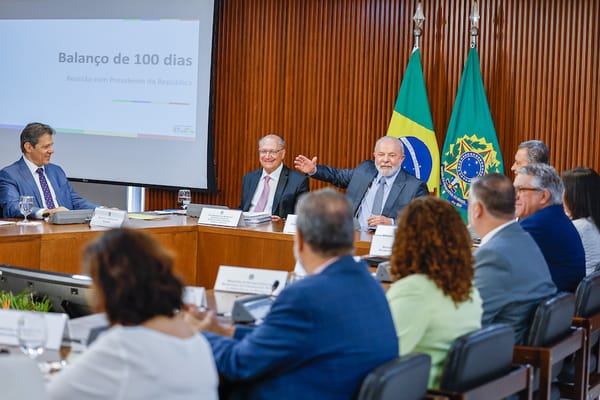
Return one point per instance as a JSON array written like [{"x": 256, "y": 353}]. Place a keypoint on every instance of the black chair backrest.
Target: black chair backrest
[
  {"x": 478, "y": 357},
  {"x": 403, "y": 378},
  {"x": 587, "y": 296},
  {"x": 552, "y": 320}
]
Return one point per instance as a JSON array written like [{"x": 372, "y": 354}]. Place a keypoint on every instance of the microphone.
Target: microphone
[{"x": 274, "y": 287}]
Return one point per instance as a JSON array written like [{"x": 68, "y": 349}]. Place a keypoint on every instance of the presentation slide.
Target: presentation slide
[
  {"x": 127, "y": 90},
  {"x": 143, "y": 73}
]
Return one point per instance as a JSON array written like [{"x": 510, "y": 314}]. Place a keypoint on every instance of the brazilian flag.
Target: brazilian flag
[
  {"x": 471, "y": 147},
  {"x": 411, "y": 122}
]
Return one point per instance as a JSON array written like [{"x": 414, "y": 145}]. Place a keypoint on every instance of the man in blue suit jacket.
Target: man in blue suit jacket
[
  {"x": 23, "y": 178},
  {"x": 285, "y": 185},
  {"x": 510, "y": 270},
  {"x": 363, "y": 182},
  {"x": 539, "y": 208},
  {"x": 323, "y": 333}
]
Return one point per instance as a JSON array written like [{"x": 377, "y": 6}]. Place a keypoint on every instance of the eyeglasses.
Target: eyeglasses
[
  {"x": 269, "y": 152},
  {"x": 520, "y": 190}
]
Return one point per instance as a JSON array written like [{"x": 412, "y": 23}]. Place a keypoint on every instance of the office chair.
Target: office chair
[
  {"x": 551, "y": 339},
  {"x": 403, "y": 378},
  {"x": 587, "y": 316},
  {"x": 479, "y": 366}
]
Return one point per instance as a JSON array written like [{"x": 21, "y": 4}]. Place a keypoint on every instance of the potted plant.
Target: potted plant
[{"x": 26, "y": 300}]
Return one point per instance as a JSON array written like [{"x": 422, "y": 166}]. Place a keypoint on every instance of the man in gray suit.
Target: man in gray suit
[
  {"x": 510, "y": 271},
  {"x": 377, "y": 189}
]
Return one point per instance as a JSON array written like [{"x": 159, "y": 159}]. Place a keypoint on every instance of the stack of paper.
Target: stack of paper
[{"x": 256, "y": 217}]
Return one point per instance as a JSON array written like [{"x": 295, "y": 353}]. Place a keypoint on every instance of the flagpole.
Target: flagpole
[
  {"x": 418, "y": 18},
  {"x": 474, "y": 17}
]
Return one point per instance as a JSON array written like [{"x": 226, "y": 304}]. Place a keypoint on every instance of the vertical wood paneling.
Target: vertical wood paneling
[{"x": 324, "y": 74}]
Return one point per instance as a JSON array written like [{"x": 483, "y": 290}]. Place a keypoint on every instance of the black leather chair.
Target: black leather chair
[
  {"x": 587, "y": 316},
  {"x": 551, "y": 339},
  {"x": 403, "y": 378},
  {"x": 479, "y": 366}
]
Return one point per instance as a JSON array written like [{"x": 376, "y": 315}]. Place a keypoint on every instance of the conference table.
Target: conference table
[{"x": 198, "y": 250}]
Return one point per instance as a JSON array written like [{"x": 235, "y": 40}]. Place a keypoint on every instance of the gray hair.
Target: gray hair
[
  {"x": 33, "y": 132},
  {"x": 545, "y": 178},
  {"x": 537, "y": 151},
  {"x": 279, "y": 140},
  {"x": 325, "y": 222},
  {"x": 388, "y": 138}
]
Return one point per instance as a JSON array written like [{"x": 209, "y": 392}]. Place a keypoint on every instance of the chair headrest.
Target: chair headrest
[
  {"x": 478, "y": 357},
  {"x": 552, "y": 320},
  {"x": 587, "y": 296}
]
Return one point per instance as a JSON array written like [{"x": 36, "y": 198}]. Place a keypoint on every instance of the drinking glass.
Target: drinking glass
[
  {"x": 184, "y": 198},
  {"x": 31, "y": 332},
  {"x": 25, "y": 206}
]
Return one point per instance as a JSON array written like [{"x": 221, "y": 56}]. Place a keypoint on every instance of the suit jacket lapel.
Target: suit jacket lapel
[
  {"x": 28, "y": 180},
  {"x": 253, "y": 184},
  {"x": 283, "y": 177},
  {"x": 395, "y": 191}
]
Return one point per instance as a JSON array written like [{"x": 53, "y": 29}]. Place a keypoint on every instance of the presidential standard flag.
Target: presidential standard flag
[
  {"x": 471, "y": 147},
  {"x": 411, "y": 122}
]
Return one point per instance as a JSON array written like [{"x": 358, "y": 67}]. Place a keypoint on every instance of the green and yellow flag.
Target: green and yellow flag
[
  {"x": 471, "y": 147},
  {"x": 411, "y": 123}
]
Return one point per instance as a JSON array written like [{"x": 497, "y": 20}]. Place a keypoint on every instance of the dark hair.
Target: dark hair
[
  {"x": 325, "y": 221},
  {"x": 582, "y": 193},
  {"x": 497, "y": 194},
  {"x": 134, "y": 276},
  {"x": 432, "y": 239},
  {"x": 32, "y": 133},
  {"x": 537, "y": 151}
]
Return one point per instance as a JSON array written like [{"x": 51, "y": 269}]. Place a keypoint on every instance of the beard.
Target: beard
[{"x": 387, "y": 171}]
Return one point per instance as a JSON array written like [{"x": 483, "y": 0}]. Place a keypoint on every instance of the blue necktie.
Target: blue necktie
[
  {"x": 45, "y": 189},
  {"x": 378, "y": 202}
]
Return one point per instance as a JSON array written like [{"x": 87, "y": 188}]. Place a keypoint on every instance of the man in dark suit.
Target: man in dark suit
[
  {"x": 370, "y": 178},
  {"x": 274, "y": 187},
  {"x": 539, "y": 208},
  {"x": 34, "y": 175},
  {"x": 530, "y": 152},
  {"x": 511, "y": 273},
  {"x": 324, "y": 333}
]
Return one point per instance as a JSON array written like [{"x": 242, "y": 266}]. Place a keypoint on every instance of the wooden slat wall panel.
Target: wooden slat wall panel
[{"x": 324, "y": 74}]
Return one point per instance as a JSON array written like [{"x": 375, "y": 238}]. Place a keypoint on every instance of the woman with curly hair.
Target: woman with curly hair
[
  {"x": 581, "y": 201},
  {"x": 433, "y": 300},
  {"x": 150, "y": 351}
]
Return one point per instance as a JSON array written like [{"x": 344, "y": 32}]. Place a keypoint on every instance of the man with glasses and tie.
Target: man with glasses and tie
[
  {"x": 34, "y": 175},
  {"x": 377, "y": 189},
  {"x": 539, "y": 208},
  {"x": 274, "y": 188}
]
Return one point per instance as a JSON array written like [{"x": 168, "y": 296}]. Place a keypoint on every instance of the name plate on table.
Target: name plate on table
[
  {"x": 108, "y": 218},
  {"x": 383, "y": 240},
  {"x": 250, "y": 280},
  {"x": 55, "y": 327},
  {"x": 195, "y": 295},
  {"x": 290, "y": 224},
  {"x": 220, "y": 217}
]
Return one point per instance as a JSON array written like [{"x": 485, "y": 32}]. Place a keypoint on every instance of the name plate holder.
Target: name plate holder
[
  {"x": 221, "y": 217},
  {"x": 290, "y": 224},
  {"x": 55, "y": 328},
  {"x": 383, "y": 241},
  {"x": 250, "y": 280},
  {"x": 108, "y": 218}
]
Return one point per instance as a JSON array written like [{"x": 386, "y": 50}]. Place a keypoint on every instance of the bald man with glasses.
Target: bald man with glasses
[{"x": 274, "y": 188}]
